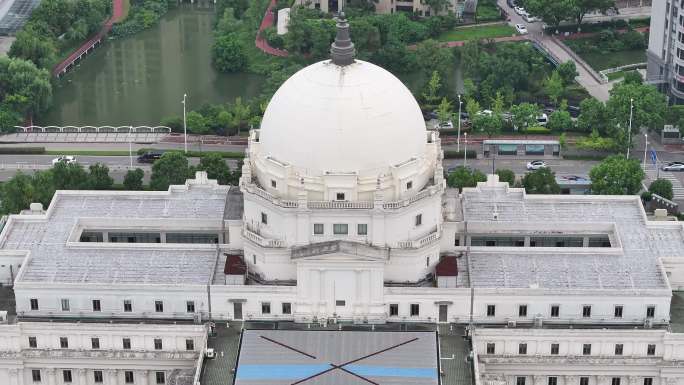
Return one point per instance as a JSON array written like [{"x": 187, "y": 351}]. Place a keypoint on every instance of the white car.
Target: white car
[
  {"x": 448, "y": 125},
  {"x": 519, "y": 10},
  {"x": 529, "y": 18},
  {"x": 521, "y": 29},
  {"x": 543, "y": 119},
  {"x": 64, "y": 159},
  {"x": 210, "y": 353},
  {"x": 536, "y": 165},
  {"x": 673, "y": 166}
]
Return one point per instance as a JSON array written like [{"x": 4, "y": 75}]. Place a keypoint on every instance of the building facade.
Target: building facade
[
  {"x": 665, "y": 54},
  {"x": 391, "y": 6}
]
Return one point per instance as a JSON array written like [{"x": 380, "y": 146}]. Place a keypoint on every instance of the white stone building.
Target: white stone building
[{"x": 342, "y": 216}]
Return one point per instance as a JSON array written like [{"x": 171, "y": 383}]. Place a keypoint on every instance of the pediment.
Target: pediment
[{"x": 340, "y": 251}]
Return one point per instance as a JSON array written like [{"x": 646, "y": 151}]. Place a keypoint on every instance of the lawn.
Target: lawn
[
  {"x": 618, "y": 75},
  {"x": 487, "y": 11},
  {"x": 601, "y": 61},
  {"x": 477, "y": 32}
]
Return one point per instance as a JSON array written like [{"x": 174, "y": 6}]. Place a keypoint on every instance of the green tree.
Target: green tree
[
  {"x": 24, "y": 89},
  {"x": 632, "y": 77},
  {"x": 171, "y": 168},
  {"x": 134, "y": 179},
  {"x": 228, "y": 23},
  {"x": 16, "y": 194},
  {"x": 430, "y": 57},
  {"x": 649, "y": 105},
  {"x": 175, "y": 123},
  {"x": 241, "y": 112},
  {"x": 552, "y": 12},
  {"x": 541, "y": 181},
  {"x": 472, "y": 107},
  {"x": 197, "y": 124},
  {"x": 506, "y": 175},
  {"x": 662, "y": 187},
  {"x": 593, "y": 116},
  {"x": 487, "y": 124},
  {"x": 560, "y": 120},
  {"x": 582, "y": 7},
  {"x": 228, "y": 54},
  {"x": 553, "y": 86},
  {"x": 568, "y": 72},
  {"x": 464, "y": 177},
  {"x": 438, "y": 6},
  {"x": 444, "y": 111},
  {"x": 99, "y": 178},
  {"x": 432, "y": 94},
  {"x": 616, "y": 175},
  {"x": 43, "y": 187},
  {"x": 524, "y": 115},
  {"x": 69, "y": 176},
  {"x": 215, "y": 166}
]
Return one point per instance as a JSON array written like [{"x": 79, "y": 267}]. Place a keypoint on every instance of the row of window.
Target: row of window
[
  {"x": 586, "y": 311},
  {"x": 98, "y": 377},
  {"x": 536, "y": 241},
  {"x": 586, "y": 349},
  {"x": 553, "y": 380},
  {"x": 285, "y": 308},
  {"x": 149, "y": 237},
  {"x": 127, "y": 305},
  {"x": 342, "y": 228},
  {"x": 125, "y": 343}
]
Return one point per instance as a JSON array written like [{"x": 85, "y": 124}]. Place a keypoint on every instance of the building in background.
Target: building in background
[
  {"x": 391, "y": 6},
  {"x": 665, "y": 54}
]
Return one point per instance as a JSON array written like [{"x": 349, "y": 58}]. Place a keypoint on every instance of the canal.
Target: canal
[{"x": 141, "y": 79}]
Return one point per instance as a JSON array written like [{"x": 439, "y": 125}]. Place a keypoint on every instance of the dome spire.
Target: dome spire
[{"x": 342, "y": 49}]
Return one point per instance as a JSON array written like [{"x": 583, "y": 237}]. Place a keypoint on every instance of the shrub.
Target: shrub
[
  {"x": 537, "y": 130},
  {"x": 662, "y": 187},
  {"x": 450, "y": 154},
  {"x": 646, "y": 196},
  {"x": 506, "y": 176},
  {"x": 22, "y": 150}
]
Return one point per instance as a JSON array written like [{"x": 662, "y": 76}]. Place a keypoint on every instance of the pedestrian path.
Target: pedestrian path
[{"x": 677, "y": 188}]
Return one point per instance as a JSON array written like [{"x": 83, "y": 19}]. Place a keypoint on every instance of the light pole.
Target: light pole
[
  {"x": 130, "y": 146},
  {"x": 458, "y": 137},
  {"x": 465, "y": 148},
  {"x": 185, "y": 126},
  {"x": 645, "y": 148},
  {"x": 629, "y": 132}
]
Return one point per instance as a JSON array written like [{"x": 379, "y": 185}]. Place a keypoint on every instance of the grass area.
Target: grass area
[
  {"x": 126, "y": 9},
  {"x": 477, "y": 33},
  {"x": 618, "y": 75},
  {"x": 601, "y": 61},
  {"x": 193, "y": 154},
  {"x": 487, "y": 11}
]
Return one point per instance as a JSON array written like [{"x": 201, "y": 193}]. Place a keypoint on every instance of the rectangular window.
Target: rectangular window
[
  {"x": 457, "y": 240},
  {"x": 520, "y": 381},
  {"x": 491, "y": 310},
  {"x": 95, "y": 343},
  {"x": 362, "y": 229},
  {"x": 286, "y": 308},
  {"x": 650, "y": 350},
  {"x": 190, "y": 306},
  {"x": 159, "y": 306},
  {"x": 340, "y": 303},
  {"x": 394, "y": 309},
  {"x": 318, "y": 229},
  {"x": 586, "y": 349},
  {"x": 648, "y": 381},
  {"x": 340, "y": 229},
  {"x": 34, "y": 303},
  {"x": 522, "y": 348},
  {"x": 128, "y": 376},
  {"x": 33, "y": 342},
  {"x": 127, "y": 306},
  {"x": 265, "y": 308},
  {"x": 65, "y": 304},
  {"x": 415, "y": 310},
  {"x": 555, "y": 348},
  {"x": 553, "y": 381},
  {"x": 409, "y": 185},
  {"x": 161, "y": 378},
  {"x": 615, "y": 381},
  {"x": 419, "y": 219},
  {"x": 35, "y": 374},
  {"x": 491, "y": 348},
  {"x": 66, "y": 375},
  {"x": 618, "y": 311},
  {"x": 586, "y": 311},
  {"x": 97, "y": 376},
  {"x": 339, "y": 196},
  {"x": 189, "y": 344},
  {"x": 584, "y": 381},
  {"x": 555, "y": 311},
  {"x": 522, "y": 311},
  {"x": 619, "y": 348},
  {"x": 158, "y": 344},
  {"x": 126, "y": 343},
  {"x": 264, "y": 218},
  {"x": 274, "y": 184},
  {"x": 64, "y": 342},
  {"x": 96, "y": 305},
  {"x": 650, "y": 311}
]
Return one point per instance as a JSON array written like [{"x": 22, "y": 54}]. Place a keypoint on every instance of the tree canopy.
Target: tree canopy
[
  {"x": 662, "y": 187},
  {"x": 616, "y": 175},
  {"x": 541, "y": 181},
  {"x": 171, "y": 168},
  {"x": 465, "y": 177}
]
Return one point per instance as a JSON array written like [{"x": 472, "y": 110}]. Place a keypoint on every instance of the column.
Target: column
[
  {"x": 143, "y": 377},
  {"x": 571, "y": 380},
  {"x": 603, "y": 380},
  {"x": 50, "y": 376},
  {"x": 322, "y": 303},
  {"x": 539, "y": 380},
  {"x": 81, "y": 376},
  {"x": 358, "y": 276},
  {"x": 633, "y": 380},
  {"x": 110, "y": 377},
  {"x": 14, "y": 376}
]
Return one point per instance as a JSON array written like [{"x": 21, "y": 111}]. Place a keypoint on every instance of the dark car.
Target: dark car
[
  {"x": 429, "y": 115},
  {"x": 574, "y": 111},
  {"x": 149, "y": 157}
]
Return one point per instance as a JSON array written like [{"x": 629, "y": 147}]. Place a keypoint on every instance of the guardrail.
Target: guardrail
[
  {"x": 34, "y": 166},
  {"x": 604, "y": 73}
]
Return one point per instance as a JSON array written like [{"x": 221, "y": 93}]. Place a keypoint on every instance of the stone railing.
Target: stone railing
[
  {"x": 261, "y": 241},
  {"x": 256, "y": 190},
  {"x": 104, "y": 354},
  {"x": 345, "y": 247},
  {"x": 574, "y": 359},
  {"x": 418, "y": 243},
  {"x": 340, "y": 205}
]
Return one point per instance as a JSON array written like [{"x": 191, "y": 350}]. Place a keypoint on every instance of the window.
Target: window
[
  {"x": 274, "y": 185},
  {"x": 650, "y": 311},
  {"x": 159, "y": 306},
  {"x": 65, "y": 304},
  {"x": 553, "y": 381},
  {"x": 619, "y": 348},
  {"x": 158, "y": 344},
  {"x": 34, "y": 303},
  {"x": 650, "y": 350},
  {"x": 362, "y": 229},
  {"x": 555, "y": 311},
  {"x": 254, "y": 259},
  {"x": 615, "y": 381},
  {"x": 419, "y": 219},
  {"x": 491, "y": 348},
  {"x": 586, "y": 311},
  {"x": 554, "y": 349},
  {"x": 522, "y": 311},
  {"x": 205, "y": 238},
  {"x": 33, "y": 343},
  {"x": 318, "y": 229},
  {"x": 340, "y": 303},
  {"x": 394, "y": 309},
  {"x": 491, "y": 310},
  {"x": 409, "y": 185},
  {"x": 189, "y": 344},
  {"x": 586, "y": 349},
  {"x": 265, "y": 308},
  {"x": 415, "y": 310},
  {"x": 64, "y": 342},
  {"x": 97, "y": 376},
  {"x": 96, "y": 305},
  {"x": 286, "y": 308},
  {"x": 190, "y": 306},
  {"x": 95, "y": 343},
  {"x": 584, "y": 381},
  {"x": 340, "y": 229},
  {"x": 128, "y": 305},
  {"x": 457, "y": 240},
  {"x": 135, "y": 237},
  {"x": 618, "y": 311},
  {"x": 126, "y": 342},
  {"x": 339, "y": 196},
  {"x": 161, "y": 379},
  {"x": 427, "y": 261},
  {"x": 522, "y": 348},
  {"x": 520, "y": 381},
  {"x": 66, "y": 375},
  {"x": 648, "y": 381},
  {"x": 35, "y": 374},
  {"x": 264, "y": 218},
  {"x": 128, "y": 376}
]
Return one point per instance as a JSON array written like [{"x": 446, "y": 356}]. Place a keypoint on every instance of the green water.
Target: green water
[{"x": 141, "y": 79}]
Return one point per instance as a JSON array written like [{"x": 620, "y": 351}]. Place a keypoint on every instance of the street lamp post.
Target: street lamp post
[
  {"x": 458, "y": 137},
  {"x": 645, "y": 148},
  {"x": 185, "y": 126},
  {"x": 629, "y": 131},
  {"x": 465, "y": 148},
  {"x": 130, "y": 146}
]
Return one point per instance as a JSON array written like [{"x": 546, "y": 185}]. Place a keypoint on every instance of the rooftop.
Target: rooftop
[{"x": 677, "y": 312}]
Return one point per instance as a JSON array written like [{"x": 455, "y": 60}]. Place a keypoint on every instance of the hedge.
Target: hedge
[
  {"x": 470, "y": 154},
  {"x": 22, "y": 150},
  {"x": 537, "y": 130},
  {"x": 197, "y": 154}
]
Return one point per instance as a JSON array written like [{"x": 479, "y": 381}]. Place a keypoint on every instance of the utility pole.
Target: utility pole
[
  {"x": 185, "y": 126},
  {"x": 465, "y": 148},
  {"x": 629, "y": 132},
  {"x": 130, "y": 145},
  {"x": 645, "y": 148},
  {"x": 458, "y": 137}
]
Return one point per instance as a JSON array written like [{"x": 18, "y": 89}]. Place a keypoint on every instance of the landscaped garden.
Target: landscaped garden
[
  {"x": 610, "y": 49},
  {"x": 477, "y": 32}
]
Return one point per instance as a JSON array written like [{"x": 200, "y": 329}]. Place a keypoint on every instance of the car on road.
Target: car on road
[
  {"x": 543, "y": 119},
  {"x": 536, "y": 165},
  {"x": 210, "y": 353},
  {"x": 521, "y": 29},
  {"x": 429, "y": 115},
  {"x": 529, "y": 18},
  {"x": 673, "y": 166},
  {"x": 448, "y": 125},
  {"x": 149, "y": 157},
  {"x": 519, "y": 10},
  {"x": 64, "y": 159}
]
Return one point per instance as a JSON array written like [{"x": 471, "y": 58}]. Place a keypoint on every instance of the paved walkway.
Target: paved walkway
[
  {"x": 677, "y": 188},
  {"x": 267, "y": 21}
]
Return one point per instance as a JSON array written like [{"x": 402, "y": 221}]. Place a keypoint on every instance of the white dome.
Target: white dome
[{"x": 342, "y": 119}]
